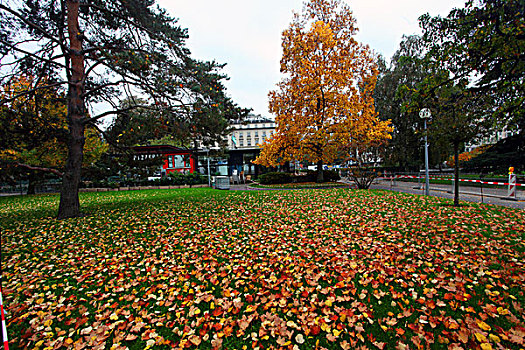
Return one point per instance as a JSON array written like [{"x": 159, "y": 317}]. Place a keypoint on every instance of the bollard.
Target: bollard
[
  {"x": 511, "y": 194},
  {"x": 453, "y": 181}
]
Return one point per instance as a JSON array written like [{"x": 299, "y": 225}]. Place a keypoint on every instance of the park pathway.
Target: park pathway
[{"x": 466, "y": 193}]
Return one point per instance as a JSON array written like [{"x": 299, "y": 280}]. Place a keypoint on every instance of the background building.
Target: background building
[
  {"x": 491, "y": 139},
  {"x": 244, "y": 143}
]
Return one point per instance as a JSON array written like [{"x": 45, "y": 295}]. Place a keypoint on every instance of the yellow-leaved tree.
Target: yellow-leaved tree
[
  {"x": 323, "y": 106},
  {"x": 34, "y": 131}
]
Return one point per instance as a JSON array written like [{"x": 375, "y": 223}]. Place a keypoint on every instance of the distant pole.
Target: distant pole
[
  {"x": 425, "y": 114},
  {"x": 208, "y": 160}
]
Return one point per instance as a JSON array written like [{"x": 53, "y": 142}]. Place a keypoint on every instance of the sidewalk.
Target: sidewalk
[{"x": 466, "y": 193}]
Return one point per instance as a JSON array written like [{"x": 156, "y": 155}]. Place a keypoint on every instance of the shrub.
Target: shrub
[
  {"x": 331, "y": 176},
  {"x": 193, "y": 179},
  {"x": 176, "y": 179},
  {"x": 311, "y": 176},
  {"x": 363, "y": 176},
  {"x": 275, "y": 178}
]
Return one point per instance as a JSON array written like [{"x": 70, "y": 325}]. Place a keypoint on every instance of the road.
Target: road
[{"x": 495, "y": 196}]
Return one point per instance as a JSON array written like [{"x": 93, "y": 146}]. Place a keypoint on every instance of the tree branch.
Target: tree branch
[
  {"x": 39, "y": 58},
  {"x": 37, "y": 168},
  {"x": 30, "y": 24},
  {"x": 30, "y": 91}
]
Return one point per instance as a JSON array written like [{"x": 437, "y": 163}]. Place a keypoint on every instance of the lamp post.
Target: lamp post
[
  {"x": 425, "y": 114},
  {"x": 207, "y": 150}
]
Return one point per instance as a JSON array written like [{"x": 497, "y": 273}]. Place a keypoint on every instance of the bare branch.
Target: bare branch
[
  {"x": 100, "y": 87},
  {"x": 50, "y": 60},
  {"x": 37, "y": 168},
  {"x": 30, "y": 24},
  {"x": 30, "y": 91}
]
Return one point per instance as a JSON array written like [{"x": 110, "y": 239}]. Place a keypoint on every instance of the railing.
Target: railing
[{"x": 445, "y": 182}]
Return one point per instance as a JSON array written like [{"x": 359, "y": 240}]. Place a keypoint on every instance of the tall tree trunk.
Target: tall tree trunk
[
  {"x": 69, "y": 203},
  {"x": 31, "y": 187},
  {"x": 320, "y": 174},
  {"x": 456, "y": 174}
]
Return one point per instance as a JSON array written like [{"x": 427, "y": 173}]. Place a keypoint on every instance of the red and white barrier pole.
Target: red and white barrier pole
[
  {"x": 512, "y": 184},
  {"x": 4, "y": 328}
]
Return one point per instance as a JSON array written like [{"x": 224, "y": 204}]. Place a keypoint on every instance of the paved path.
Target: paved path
[{"x": 466, "y": 193}]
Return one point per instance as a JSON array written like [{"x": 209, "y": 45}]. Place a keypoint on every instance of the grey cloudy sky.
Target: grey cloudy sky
[{"x": 246, "y": 35}]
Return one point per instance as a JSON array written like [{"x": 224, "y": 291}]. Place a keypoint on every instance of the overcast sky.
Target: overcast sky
[{"x": 246, "y": 35}]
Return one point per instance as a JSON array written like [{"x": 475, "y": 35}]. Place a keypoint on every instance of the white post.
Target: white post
[
  {"x": 208, "y": 161},
  {"x": 512, "y": 186}
]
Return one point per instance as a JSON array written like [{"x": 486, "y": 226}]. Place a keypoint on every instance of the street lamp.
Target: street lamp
[
  {"x": 207, "y": 150},
  {"x": 425, "y": 114}
]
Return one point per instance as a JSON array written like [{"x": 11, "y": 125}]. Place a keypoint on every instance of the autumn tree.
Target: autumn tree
[
  {"x": 324, "y": 102},
  {"x": 34, "y": 128},
  {"x": 102, "y": 50}
]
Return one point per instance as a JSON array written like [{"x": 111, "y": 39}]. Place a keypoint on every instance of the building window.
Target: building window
[
  {"x": 170, "y": 161},
  {"x": 179, "y": 162}
]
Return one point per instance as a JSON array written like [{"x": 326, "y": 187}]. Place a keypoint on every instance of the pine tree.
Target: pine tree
[{"x": 102, "y": 50}]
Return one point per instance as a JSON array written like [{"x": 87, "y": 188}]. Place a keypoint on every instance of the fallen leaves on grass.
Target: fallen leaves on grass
[{"x": 294, "y": 269}]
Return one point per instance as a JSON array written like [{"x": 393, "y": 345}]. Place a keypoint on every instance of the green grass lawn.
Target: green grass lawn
[
  {"x": 201, "y": 268},
  {"x": 304, "y": 185}
]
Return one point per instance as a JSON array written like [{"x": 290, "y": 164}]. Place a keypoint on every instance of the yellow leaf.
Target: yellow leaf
[
  {"x": 484, "y": 326},
  {"x": 325, "y": 327},
  {"x": 48, "y": 323},
  {"x": 39, "y": 344},
  {"x": 68, "y": 341},
  {"x": 113, "y": 317},
  {"x": 494, "y": 338},
  {"x": 502, "y": 311},
  {"x": 480, "y": 337},
  {"x": 336, "y": 332},
  {"x": 328, "y": 303},
  {"x": 486, "y": 346},
  {"x": 251, "y": 308}
]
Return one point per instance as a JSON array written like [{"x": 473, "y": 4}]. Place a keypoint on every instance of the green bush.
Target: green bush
[
  {"x": 331, "y": 176},
  {"x": 311, "y": 176},
  {"x": 173, "y": 179},
  {"x": 275, "y": 178}
]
